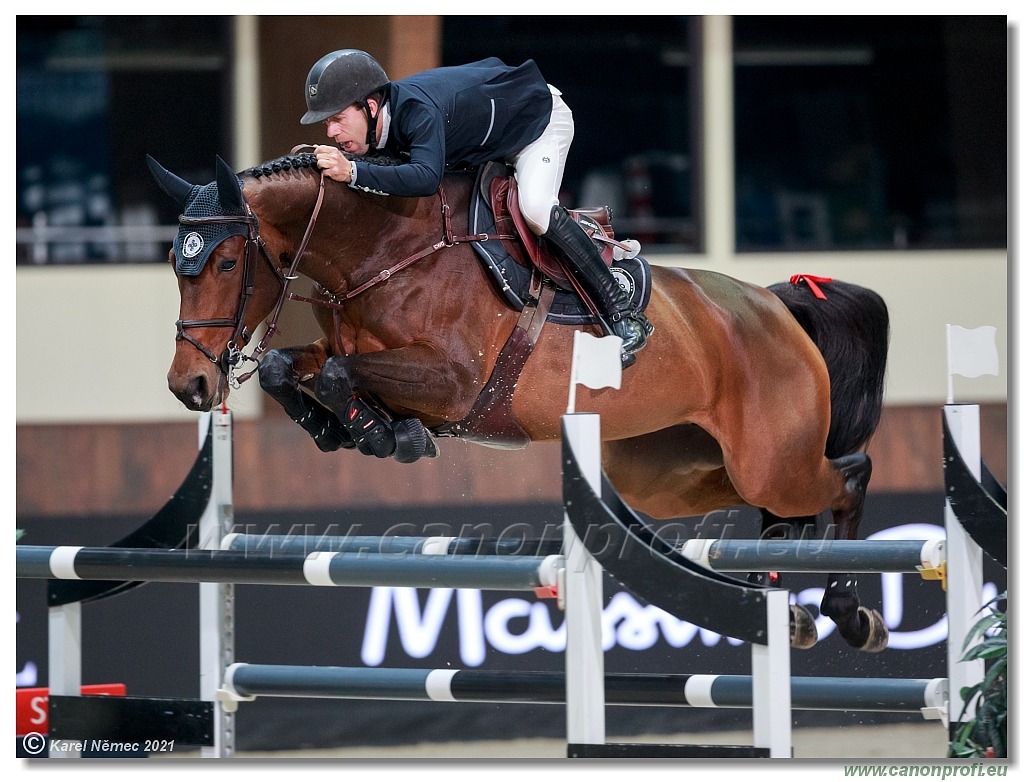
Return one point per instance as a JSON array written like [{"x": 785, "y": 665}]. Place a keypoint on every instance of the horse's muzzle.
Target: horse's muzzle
[{"x": 196, "y": 392}]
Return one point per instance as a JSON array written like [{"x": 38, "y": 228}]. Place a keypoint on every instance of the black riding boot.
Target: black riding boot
[{"x": 588, "y": 267}]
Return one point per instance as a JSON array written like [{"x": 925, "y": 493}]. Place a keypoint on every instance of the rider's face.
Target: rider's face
[{"x": 348, "y": 129}]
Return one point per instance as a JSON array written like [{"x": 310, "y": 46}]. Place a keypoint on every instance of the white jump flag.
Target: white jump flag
[
  {"x": 970, "y": 353},
  {"x": 596, "y": 363}
]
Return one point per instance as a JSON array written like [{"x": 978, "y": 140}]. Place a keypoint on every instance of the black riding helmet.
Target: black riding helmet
[{"x": 339, "y": 79}]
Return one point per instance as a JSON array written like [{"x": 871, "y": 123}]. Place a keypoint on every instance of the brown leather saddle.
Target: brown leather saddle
[{"x": 527, "y": 249}]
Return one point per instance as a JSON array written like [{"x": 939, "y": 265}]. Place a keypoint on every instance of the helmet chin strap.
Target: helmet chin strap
[{"x": 371, "y": 126}]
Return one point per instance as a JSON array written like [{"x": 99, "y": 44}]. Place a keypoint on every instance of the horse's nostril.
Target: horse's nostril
[
  {"x": 198, "y": 391},
  {"x": 194, "y": 394}
]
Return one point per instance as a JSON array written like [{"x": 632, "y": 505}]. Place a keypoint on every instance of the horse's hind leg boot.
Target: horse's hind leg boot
[{"x": 590, "y": 271}]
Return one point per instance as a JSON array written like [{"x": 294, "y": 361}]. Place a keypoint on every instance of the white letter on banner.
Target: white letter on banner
[
  {"x": 539, "y": 632},
  {"x": 472, "y": 648},
  {"x": 418, "y": 633}
]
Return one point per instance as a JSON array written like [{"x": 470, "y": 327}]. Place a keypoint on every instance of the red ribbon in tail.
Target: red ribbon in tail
[{"x": 812, "y": 283}]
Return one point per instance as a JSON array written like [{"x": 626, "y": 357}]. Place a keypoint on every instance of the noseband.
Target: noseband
[{"x": 232, "y": 354}]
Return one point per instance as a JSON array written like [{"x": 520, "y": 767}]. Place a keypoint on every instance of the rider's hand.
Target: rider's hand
[{"x": 334, "y": 164}]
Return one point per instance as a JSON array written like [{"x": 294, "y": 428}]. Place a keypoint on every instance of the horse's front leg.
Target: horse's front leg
[
  {"x": 415, "y": 378},
  {"x": 803, "y": 634},
  {"x": 777, "y": 528},
  {"x": 283, "y": 372}
]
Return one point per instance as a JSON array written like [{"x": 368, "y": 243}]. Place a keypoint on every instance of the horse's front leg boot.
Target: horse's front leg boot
[
  {"x": 276, "y": 373},
  {"x": 277, "y": 378},
  {"x": 369, "y": 429},
  {"x": 334, "y": 386}
]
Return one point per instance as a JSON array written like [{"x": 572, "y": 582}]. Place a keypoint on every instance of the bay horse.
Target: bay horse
[{"x": 744, "y": 395}]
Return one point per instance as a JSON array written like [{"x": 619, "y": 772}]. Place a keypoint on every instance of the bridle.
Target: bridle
[
  {"x": 232, "y": 355},
  {"x": 255, "y": 248}
]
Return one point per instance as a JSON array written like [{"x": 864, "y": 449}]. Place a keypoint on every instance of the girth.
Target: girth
[{"x": 490, "y": 422}]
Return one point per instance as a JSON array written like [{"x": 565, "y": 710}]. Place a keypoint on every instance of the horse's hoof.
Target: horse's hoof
[
  {"x": 413, "y": 441},
  {"x": 877, "y": 633},
  {"x": 803, "y": 634}
]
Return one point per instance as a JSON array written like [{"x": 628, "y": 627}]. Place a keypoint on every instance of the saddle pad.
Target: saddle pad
[{"x": 513, "y": 278}]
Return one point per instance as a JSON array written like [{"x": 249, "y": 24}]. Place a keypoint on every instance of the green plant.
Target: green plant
[{"x": 984, "y": 735}]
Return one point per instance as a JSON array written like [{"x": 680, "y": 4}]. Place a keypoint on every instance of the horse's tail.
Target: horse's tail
[{"x": 851, "y": 329}]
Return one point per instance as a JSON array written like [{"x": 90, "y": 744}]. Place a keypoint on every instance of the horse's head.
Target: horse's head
[{"x": 226, "y": 287}]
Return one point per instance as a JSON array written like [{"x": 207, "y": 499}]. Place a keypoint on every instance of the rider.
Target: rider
[{"x": 468, "y": 114}]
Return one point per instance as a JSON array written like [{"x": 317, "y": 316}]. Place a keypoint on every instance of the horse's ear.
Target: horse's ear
[
  {"x": 229, "y": 189},
  {"x": 176, "y": 187}
]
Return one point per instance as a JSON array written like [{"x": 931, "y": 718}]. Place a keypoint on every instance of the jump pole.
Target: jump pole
[
  {"x": 724, "y": 556},
  {"x": 246, "y": 681},
  {"x": 319, "y": 568}
]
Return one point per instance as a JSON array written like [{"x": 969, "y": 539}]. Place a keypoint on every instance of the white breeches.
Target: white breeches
[{"x": 540, "y": 165}]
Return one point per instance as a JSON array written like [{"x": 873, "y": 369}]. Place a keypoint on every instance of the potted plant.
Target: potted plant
[{"x": 984, "y": 735}]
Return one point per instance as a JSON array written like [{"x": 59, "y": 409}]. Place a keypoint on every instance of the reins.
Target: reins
[{"x": 337, "y": 300}]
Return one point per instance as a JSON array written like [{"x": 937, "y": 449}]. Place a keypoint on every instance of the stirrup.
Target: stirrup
[{"x": 633, "y": 329}]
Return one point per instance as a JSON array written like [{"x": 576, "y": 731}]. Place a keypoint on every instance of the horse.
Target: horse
[{"x": 743, "y": 396}]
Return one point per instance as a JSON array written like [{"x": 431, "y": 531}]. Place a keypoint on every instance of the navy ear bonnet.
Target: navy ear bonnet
[{"x": 194, "y": 243}]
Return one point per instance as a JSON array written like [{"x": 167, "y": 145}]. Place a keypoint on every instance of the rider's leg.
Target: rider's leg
[
  {"x": 590, "y": 271},
  {"x": 539, "y": 168}
]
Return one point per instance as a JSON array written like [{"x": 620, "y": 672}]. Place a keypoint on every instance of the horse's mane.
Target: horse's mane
[
  {"x": 285, "y": 163},
  {"x": 308, "y": 160}
]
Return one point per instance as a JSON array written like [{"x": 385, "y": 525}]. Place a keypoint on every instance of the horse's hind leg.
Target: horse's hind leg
[
  {"x": 862, "y": 627},
  {"x": 281, "y": 373}
]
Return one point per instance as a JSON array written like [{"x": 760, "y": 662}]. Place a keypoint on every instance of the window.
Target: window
[
  {"x": 626, "y": 79},
  {"x": 859, "y": 133},
  {"x": 95, "y": 94}
]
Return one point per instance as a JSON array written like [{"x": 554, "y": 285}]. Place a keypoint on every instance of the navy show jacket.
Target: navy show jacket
[{"x": 454, "y": 116}]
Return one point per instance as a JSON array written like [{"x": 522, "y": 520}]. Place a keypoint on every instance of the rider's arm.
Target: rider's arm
[{"x": 420, "y": 130}]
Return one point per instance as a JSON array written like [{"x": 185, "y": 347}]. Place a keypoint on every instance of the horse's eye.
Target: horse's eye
[{"x": 228, "y": 265}]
